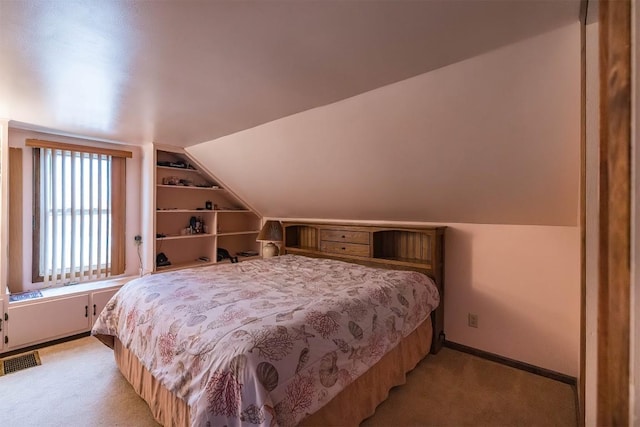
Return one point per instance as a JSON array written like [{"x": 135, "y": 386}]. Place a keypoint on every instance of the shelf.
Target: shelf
[
  {"x": 181, "y": 265},
  {"x": 186, "y": 236},
  {"x": 185, "y": 210},
  {"x": 175, "y": 205},
  {"x": 189, "y": 187},
  {"x": 179, "y": 169},
  {"x": 195, "y": 236},
  {"x": 240, "y": 259},
  {"x": 409, "y": 262},
  {"x": 201, "y": 210},
  {"x": 237, "y": 233}
]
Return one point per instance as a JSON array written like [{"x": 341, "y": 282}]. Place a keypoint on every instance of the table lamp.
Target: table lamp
[{"x": 271, "y": 232}]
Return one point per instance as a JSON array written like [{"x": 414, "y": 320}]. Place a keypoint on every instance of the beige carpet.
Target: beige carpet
[
  {"x": 78, "y": 384},
  {"x": 458, "y": 389}
]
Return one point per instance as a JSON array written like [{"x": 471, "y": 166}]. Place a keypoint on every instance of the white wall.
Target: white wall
[
  {"x": 492, "y": 139},
  {"x": 17, "y": 138},
  {"x": 524, "y": 284},
  {"x": 489, "y": 146}
]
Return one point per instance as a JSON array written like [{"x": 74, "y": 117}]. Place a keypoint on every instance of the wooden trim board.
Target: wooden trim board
[
  {"x": 38, "y": 143},
  {"x": 614, "y": 214},
  {"x": 15, "y": 279},
  {"x": 567, "y": 379}
]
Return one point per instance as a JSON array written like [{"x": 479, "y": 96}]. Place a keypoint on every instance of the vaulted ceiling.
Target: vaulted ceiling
[
  {"x": 186, "y": 72},
  {"x": 493, "y": 139}
]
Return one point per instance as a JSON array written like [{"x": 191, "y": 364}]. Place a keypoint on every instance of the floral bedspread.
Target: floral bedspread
[{"x": 265, "y": 342}]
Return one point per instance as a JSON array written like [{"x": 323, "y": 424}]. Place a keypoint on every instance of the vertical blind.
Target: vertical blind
[
  {"x": 78, "y": 215},
  {"x": 75, "y": 216}
]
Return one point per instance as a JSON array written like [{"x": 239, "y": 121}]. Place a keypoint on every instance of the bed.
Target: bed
[{"x": 290, "y": 340}]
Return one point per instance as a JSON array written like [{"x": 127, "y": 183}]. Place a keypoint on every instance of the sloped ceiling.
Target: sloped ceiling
[
  {"x": 184, "y": 72},
  {"x": 491, "y": 139}
]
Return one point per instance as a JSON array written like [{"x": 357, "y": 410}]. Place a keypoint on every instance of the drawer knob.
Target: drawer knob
[
  {"x": 344, "y": 249},
  {"x": 344, "y": 237}
]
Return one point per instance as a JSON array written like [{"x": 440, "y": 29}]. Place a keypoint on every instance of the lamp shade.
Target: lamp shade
[{"x": 271, "y": 232}]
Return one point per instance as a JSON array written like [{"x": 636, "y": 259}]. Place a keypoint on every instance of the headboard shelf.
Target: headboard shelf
[
  {"x": 409, "y": 248},
  {"x": 409, "y": 262}
]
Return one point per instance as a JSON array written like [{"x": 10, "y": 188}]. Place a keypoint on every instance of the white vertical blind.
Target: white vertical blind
[
  {"x": 74, "y": 216},
  {"x": 82, "y": 267},
  {"x": 75, "y": 204}
]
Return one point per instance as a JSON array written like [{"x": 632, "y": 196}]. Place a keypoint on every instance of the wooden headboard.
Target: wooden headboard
[{"x": 405, "y": 248}]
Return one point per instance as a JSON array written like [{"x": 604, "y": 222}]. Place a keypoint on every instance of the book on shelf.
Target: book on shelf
[{"x": 247, "y": 253}]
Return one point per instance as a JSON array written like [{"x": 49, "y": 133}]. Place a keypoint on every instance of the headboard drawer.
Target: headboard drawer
[
  {"x": 355, "y": 249},
  {"x": 347, "y": 236}
]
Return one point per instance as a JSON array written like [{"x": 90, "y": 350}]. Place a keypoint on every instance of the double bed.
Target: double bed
[{"x": 290, "y": 340}]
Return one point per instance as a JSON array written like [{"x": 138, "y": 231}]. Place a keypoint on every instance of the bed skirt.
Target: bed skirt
[{"x": 348, "y": 408}]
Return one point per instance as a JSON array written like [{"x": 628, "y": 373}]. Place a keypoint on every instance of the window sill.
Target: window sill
[{"x": 63, "y": 291}]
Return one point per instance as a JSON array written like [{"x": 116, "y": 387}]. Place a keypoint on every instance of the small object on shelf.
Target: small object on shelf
[
  {"x": 170, "y": 180},
  {"x": 205, "y": 185},
  {"x": 178, "y": 164},
  {"x": 196, "y": 225},
  {"x": 224, "y": 254},
  {"x": 247, "y": 253},
  {"x": 204, "y": 259},
  {"x": 208, "y": 205},
  {"x": 162, "y": 260}
]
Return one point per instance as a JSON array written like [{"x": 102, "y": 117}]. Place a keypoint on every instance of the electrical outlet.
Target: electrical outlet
[{"x": 473, "y": 320}]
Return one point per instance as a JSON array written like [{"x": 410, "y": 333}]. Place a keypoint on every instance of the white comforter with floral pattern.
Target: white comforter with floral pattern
[{"x": 269, "y": 341}]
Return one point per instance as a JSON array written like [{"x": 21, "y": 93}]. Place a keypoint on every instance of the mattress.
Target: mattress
[{"x": 263, "y": 342}]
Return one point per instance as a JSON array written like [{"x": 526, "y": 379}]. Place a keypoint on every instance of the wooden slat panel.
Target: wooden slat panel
[
  {"x": 308, "y": 237},
  {"x": 426, "y": 244}
]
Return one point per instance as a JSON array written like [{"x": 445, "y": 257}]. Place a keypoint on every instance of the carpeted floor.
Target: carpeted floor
[
  {"x": 458, "y": 389},
  {"x": 78, "y": 384}
]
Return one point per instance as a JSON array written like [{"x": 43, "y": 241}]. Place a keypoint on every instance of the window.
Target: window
[{"x": 79, "y": 209}]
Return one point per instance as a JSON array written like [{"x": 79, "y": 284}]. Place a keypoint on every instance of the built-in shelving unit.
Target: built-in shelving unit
[{"x": 195, "y": 215}]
